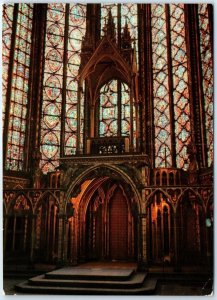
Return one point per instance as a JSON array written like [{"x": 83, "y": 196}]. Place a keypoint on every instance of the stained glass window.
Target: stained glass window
[
  {"x": 180, "y": 82},
  {"x": 207, "y": 69},
  {"x": 8, "y": 11},
  {"x": 114, "y": 91},
  {"x": 115, "y": 96},
  {"x": 125, "y": 110},
  {"x": 180, "y": 92},
  {"x": 54, "y": 82},
  {"x": 53, "y": 85},
  {"x": 160, "y": 87},
  {"x": 77, "y": 27},
  {"x": 19, "y": 89},
  {"x": 108, "y": 114}
]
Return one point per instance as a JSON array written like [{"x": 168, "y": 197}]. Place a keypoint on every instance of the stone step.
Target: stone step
[
  {"x": 147, "y": 288},
  {"x": 134, "y": 282},
  {"x": 71, "y": 273}
]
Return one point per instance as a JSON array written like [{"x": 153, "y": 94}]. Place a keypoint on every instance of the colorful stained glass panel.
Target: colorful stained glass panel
[
  {"x": 19, "y": 89},
  {"x": 207, "y": 69},
  {"x": 160, "y": 87},
  {"x": 53, "y": 85},
  {"x": 180, "y": 83},
  {"x": 8, "y": 10},
  {"x": 77, "y": 28},
  {"x": 108, "y": 112}
]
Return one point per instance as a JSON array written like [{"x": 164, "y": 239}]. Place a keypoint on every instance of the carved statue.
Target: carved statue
[
  {"x": 193, "y": 165},
  {"x": 37, "y": 173},
  {"x": 66, "y": 177}
]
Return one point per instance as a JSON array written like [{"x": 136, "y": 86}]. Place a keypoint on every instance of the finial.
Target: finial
[{"x": 109, "y": 28}]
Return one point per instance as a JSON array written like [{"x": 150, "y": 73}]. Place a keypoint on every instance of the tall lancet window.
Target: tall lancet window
[
  {"x": 116, "y": 111},
  {"x": 8, "y": 15},
  {"x": 108, "y": 110},
  {"x": 17, "y": 91},
  {"x": 180, "y": 83},
  {"x": 207, "y": 71},
  {"x": 170, "y": 84},
  {"x": 161, "y": 90},
  {"x": 66, "y": 25}
]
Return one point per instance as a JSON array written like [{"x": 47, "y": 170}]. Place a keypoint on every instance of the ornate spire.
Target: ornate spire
[
  {"x": 126, "y": 41},
  {"x": 109, "y": 28}
]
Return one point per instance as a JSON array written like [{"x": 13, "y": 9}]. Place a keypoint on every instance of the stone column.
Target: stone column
[
  {"x": 74, "y": 258},
  {"x": 26, "y": 223},
  {"x": 33, "y": 234},
  {"x": 14, "y": 233},
  {"x": 142, "y": 235},
  {"x": 60, "y": 240},
  {"x": 177, "y": 266},
  {"x": 65, "y": 239},
  {"x": 5, "y": 233}
]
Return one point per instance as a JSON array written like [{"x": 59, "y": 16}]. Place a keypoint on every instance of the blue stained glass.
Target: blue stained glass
[{"x": 19, "y": 88}]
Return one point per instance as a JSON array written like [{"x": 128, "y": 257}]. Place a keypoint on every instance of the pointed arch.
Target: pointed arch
[
  {"x": 198, "y": 197},
  {"x": 43, "y": 197},
  {"x": 111, "y": 168},
  {"x": 13, "y": 202},
  {"x": 159, "y": 190}
]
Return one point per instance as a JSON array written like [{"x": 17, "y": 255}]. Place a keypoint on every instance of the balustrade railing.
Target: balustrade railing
[{"x": 108, "y": 145}]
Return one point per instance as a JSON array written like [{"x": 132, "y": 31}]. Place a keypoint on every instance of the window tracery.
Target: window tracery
[
  {"x": 115, "y": 110},
  {"x": 180, "y": 82},
  {"x": 108, "y": 111},
  {"x": 52, "y": 87},
  {"x": 19, "y": 89},
  {"x": 164, "y": 35},
  {"x": 77, "y": 27},
  {"x": 66, "y": 25},
  {"x": 160, "y": 87},
  {"x": 207, "y": 71},
  {"x": 62, "y": 121},
  {"x": 8, "y": 14}
]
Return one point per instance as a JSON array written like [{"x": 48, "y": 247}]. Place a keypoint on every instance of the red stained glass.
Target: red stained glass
[
  {"x": 109, "y": 117},
  {"x": 207, "y": 69},
  {"x": 8, "y": 10},
  {"x": 161, "y": 90},
  {"x": 180, "y": 89},
  {"x": 53, "y": 82},
  {"x": 108, "y": 111},
  {"x": 19, "y": 89},
  {"x": 53, "y": 85},
  {"x": 180, "y": 83},
  {"x": 77, "y": 28}
]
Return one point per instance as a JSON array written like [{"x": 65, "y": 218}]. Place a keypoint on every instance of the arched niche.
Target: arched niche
[
  {"x": 46, "y": 228},
  {"x": 108, "y": 225},
  {"x": 190, "y": 214},
  {"x": 19, "y": 226},
  {"x": 160, "y": 222}
]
